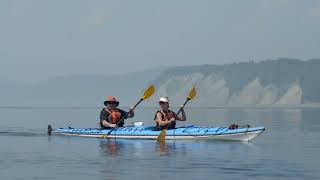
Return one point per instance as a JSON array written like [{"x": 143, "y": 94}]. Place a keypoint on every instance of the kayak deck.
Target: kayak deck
[{"x": 150, "y": 132}]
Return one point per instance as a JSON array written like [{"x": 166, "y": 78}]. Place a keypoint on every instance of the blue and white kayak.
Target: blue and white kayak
[{"x": 181, "y": 133}]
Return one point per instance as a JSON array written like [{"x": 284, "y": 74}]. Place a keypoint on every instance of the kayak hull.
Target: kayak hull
[{"x": 183, "y": 133}]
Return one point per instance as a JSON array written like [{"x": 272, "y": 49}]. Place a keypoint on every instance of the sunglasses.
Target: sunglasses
[
  {"x": 113, "y": 103},
  {"x": 161, "y": 103}
]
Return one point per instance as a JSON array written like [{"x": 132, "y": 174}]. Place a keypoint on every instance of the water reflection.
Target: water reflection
[
  {"x": 162, "y": 148},
  {"x": 138, "y": 148},
  {"x": 287, "y": 150},
  {"x": 123, "y": 156},
  {"x": 111, "y": 147}
]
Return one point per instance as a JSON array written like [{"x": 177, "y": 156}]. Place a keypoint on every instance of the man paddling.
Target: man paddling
[
  {"x": 110, "y": 115},
  {"x": 165, "y": 118}
]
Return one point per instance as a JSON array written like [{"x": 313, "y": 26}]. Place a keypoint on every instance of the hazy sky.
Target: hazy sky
[{"x": 41, "y": 38}]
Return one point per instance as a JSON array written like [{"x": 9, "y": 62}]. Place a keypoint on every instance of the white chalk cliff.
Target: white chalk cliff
[{"x": 213, "y": 90}]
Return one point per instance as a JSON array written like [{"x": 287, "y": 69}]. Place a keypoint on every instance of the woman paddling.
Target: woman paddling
[
  {"x": 165, "y": 118},
  {"x": 111, "y": 115}
]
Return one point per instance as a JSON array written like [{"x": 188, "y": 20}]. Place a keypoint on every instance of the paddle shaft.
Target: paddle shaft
[{"x": 126, "y": 116}]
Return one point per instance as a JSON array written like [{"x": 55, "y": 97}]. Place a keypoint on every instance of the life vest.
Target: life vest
[
  {"x": 233, "y": 126},
  {"x": 166, "y": 116},
  {"x": 114, "y": 115}
]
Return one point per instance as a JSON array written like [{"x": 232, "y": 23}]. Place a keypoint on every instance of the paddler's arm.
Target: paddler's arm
[
  {"x": 103, "y": 116},
  {"x": 183, "y": 116},
  {"x": 160, "y": 120},
  {"x": 130, "y": 115},
  {"x": 105, "y": 123}
]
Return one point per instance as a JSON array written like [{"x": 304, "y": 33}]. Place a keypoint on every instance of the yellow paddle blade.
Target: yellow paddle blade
[
  {"x": 104, "y": 136},
  {"x": 192, "y": 93},
  {"x": 148, "y": 92},
  {"x": 162, "y": 136}
]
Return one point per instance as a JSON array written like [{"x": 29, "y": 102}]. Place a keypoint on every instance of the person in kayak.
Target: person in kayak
[
  {"x": 110, "y": 115},
  {"x": 165, "y": 118}
]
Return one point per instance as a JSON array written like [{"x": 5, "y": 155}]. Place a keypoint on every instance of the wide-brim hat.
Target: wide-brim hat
[{"x": 111, "y": 99}]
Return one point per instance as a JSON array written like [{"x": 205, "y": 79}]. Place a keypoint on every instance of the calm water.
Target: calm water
[{"x": 289, "y": 149}]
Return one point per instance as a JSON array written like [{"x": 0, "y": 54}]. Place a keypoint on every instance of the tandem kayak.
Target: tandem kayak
[{"x": 149, "y": 132}]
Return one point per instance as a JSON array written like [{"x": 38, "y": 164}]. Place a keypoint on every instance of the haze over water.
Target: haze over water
[
  {"x": 287, "y": 150},
  {"x": 261, "y": 53}
]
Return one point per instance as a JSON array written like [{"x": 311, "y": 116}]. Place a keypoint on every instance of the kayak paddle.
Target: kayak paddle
[
  {"x": 162, "y": 136},
  {"x": 147, "y": 93}
]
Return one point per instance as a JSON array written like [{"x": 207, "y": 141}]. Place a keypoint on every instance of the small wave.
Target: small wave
[{"x": 22, "y": 132}]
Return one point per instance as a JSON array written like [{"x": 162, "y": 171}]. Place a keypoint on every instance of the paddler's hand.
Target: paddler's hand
[
  {"x": 181, "y": 108},
  {"x": 132, "y": 108},
  {"x": 113, "y": 125},
  {"x": 131, "y": 112},
  {"x": 172, "y": 119}
]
